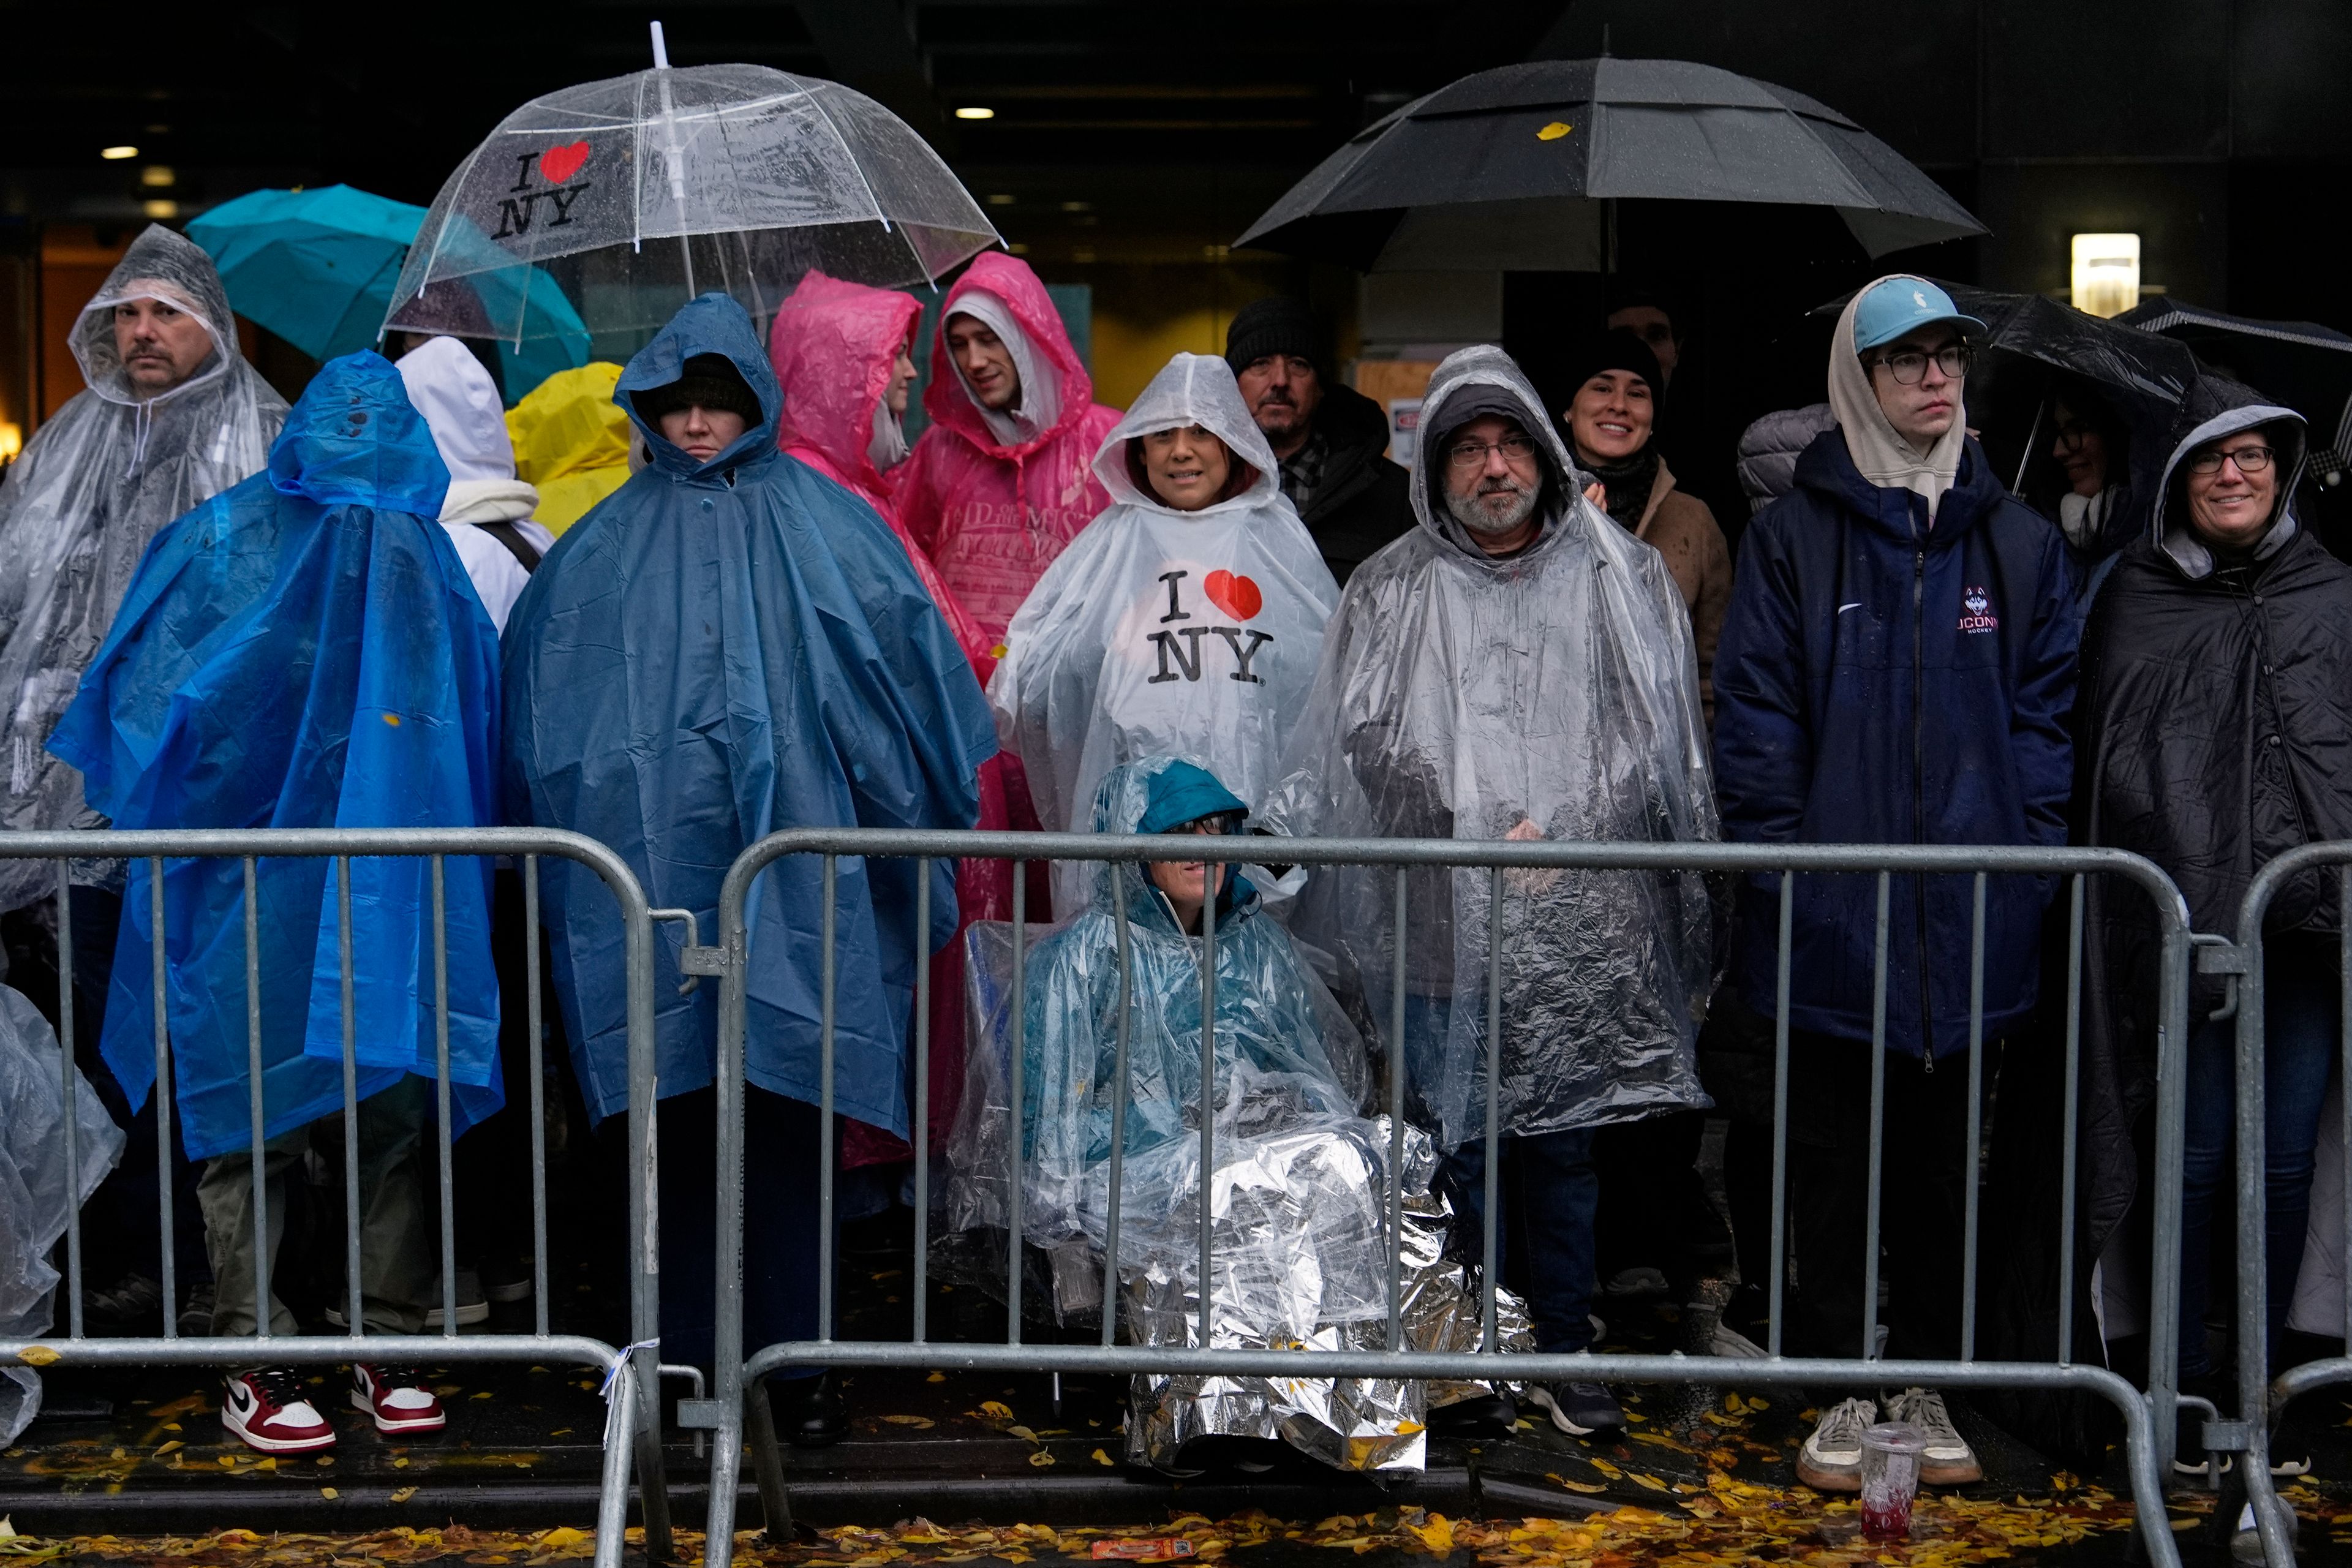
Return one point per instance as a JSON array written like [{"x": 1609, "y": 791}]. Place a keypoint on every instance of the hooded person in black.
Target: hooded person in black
[
  {"x": 2216, "y": 697},
  {"x": 1331, "y": 439}
]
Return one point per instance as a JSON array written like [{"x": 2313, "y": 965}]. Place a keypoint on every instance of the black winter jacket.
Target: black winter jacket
[{"x": 1362, "y": 503}]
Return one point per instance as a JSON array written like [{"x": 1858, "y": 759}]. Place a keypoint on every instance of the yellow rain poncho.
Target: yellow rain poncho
[{"x": 572, "y": 441}]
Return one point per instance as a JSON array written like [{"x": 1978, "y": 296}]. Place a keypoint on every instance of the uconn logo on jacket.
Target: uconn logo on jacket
[{"x": 1976, "y": 611}]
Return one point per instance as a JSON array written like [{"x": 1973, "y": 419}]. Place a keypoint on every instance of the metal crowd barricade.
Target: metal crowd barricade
[
  {"x": 738, "y": 1410},
  {"x": 631, "y": 1386},
  {"x": 2262, "y": 1401}
]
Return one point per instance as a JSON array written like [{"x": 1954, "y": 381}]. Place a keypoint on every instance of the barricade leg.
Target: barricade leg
[
  {"x": 613, "y": 1501},
  {"x": 767, "y": 1463}
]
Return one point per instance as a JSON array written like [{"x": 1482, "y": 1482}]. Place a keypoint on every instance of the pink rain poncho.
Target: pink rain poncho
[
  {"x": 995, "y": 498},
  {"x": 832, "y": 344}
]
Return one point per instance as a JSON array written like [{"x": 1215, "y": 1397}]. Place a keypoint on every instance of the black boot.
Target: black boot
[{"x": 809, "y": 1411}]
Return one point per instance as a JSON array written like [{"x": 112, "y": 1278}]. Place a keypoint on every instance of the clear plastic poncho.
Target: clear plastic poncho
[
  {"x": 77, "y": 509},
  {"x": 1300, "y": 1191},
  {"x": 1166, "y": 633},
  {"x": 1553, "y": 693},
  {"x": 35, "y": 1197}
]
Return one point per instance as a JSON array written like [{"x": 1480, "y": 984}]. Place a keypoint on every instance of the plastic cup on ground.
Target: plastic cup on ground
[{"x": 1890, "y": 1478}]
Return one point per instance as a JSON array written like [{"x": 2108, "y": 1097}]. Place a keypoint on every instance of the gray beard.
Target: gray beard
[{"x": 1472, "y": 513}]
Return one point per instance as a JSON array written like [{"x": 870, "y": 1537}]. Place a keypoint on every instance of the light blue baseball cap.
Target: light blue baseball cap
[{"x": 1894, "y": 306}]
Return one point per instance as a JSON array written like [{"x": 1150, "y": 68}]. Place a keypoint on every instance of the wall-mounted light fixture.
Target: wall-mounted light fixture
[
  {"x": 974, "y": 111},
  {"x": 2105, "y": 273},
  {"x": 115, "y": 154}
]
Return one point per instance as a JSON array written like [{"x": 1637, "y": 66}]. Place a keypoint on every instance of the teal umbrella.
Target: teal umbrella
[{"x": 318, "y": 266}]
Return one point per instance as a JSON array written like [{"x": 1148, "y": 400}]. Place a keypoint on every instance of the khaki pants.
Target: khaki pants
[{"x": 397, "y": 1272}]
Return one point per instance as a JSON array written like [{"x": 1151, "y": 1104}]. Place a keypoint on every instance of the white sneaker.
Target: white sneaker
[
  {"x": 1831, "y": 1460},
  {"x": 1948, "y": 1461}
]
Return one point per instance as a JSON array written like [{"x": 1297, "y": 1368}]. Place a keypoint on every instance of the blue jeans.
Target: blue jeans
[
  {"x": 1548, "y": 1190},
  {"x": 2300, "y": 1028}
]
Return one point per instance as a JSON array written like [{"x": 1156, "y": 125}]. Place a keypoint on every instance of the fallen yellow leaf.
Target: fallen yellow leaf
[
  {"x": 402, "y": 1494},
  {"x": 1041, "y": 1458},
  {"x": 329, "y": 1493},
  {"x": 937, "y": 1377},
  {"x": 1105, "y": 1460},
  {"x": 1022, "y": 1432},
  {"x": 1606, "y": 1468},
  {"x": 1587, "y": 1487},
  {"x": 909, "y": 1420},
  {"x": 564, "y": 1535},
  {"x": 1652, "y": 1482},
  {"x": 37, "y": 1355}
]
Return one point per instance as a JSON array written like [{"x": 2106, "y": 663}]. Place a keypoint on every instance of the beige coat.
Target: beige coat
[{"x": 1682, "y": 529}]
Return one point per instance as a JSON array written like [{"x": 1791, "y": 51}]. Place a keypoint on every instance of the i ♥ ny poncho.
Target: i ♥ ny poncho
[{"x": 1166, "y": 633}]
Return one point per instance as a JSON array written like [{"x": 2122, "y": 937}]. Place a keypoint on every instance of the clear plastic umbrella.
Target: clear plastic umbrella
[{"x": 635, "y": 193}]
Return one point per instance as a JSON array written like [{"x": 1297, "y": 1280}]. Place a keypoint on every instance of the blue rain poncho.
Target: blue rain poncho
[
  {"x": 302, "y": 651},
  {"x": 718, "y": 651}
]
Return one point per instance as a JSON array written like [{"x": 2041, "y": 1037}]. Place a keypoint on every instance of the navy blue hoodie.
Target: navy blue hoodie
[{"x": 1880, "y": 681}]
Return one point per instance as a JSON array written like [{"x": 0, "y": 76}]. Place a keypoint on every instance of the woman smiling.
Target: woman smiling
[{"x": 1612, "y": 396}]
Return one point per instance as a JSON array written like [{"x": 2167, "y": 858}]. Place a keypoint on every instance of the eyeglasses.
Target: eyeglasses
[
  {"x": 1473, "y": 454},
  {"x": 2071, "y": 437},
  {"x": 1207, "y": 826},
  {"x": 1909, "y": 366},
  {"x": 2249, "y": 460}
]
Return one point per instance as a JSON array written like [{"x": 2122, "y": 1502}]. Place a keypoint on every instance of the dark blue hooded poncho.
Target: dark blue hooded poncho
[
  {"x": 303, "y": 651},
  {"x": 716, "y": 652}
]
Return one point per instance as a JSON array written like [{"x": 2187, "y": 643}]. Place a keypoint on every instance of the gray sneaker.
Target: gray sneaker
[
  {"x": 1948, "y": 1461},
  {"x": 1831, "y": 1460}
]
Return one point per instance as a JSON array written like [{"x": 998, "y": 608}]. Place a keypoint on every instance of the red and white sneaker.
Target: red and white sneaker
[
  {"x": 397, "y": 1397},
  {"x": 265, "y": 1408}
]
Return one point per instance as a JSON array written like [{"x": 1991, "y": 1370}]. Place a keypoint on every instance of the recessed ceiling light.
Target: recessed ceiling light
[
  {"x": 974, "y": 111},
  {"x": 115, "y": 154},
  {"x": 156, "y": 174},
  {"x": 160, "y": 209},
  {"x": 1077, "y": 207},
  {"x": 1000, "y": 199}
]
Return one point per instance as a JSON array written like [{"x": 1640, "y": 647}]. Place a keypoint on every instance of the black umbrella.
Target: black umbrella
[
  {"x": 2306, "y": 366},
  {"x": 1508, "y": 169}
]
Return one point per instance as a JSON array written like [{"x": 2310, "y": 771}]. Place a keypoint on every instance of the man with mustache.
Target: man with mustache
[
  {"x": 1329, "y": 439},
  {"x": 1897, "y": 667}
]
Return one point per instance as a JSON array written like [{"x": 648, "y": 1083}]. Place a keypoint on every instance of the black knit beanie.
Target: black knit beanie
[
  {"x": 710, "y": 380},
  {"x": 1274, "y": 326}
]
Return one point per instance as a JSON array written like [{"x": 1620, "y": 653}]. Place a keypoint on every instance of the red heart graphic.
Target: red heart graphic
[
  {"x": 558, "y": 164},
  {"x": 1237, "y": 596}
]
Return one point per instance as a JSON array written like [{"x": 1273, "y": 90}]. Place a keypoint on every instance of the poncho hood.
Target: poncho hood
[
  {"x": 710, "y": 324},
  {"x": 833, "y": 346},
  {"x": 1191, "y": 389},
  {"x": 570, "y": 442},
  {"x": 356, "y": 440},
  {"x": 303, "y": 651},
  {"x": 1881, "y": 455},
  {"x": 159, "y": 265},
  {"x": 462, "y": 410},
  {"x": 1052, "y": 360},
  {"x": 2216, "y": 409},
  {"x": 1468, "y": 383}
]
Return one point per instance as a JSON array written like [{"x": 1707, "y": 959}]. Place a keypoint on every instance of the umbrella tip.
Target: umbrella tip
[{"x": 661, "y": 49}]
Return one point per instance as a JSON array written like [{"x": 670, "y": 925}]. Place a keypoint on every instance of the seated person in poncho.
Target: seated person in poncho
[{"x": 1300, "y": 1186}]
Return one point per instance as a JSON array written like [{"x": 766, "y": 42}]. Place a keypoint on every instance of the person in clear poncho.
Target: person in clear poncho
[
  {"x": 1519, "y": 667},
  {"x": 1299, "y": 1193},
  {"x": 1186, "y": 621},
  {"x": 172, "y": 416}
]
